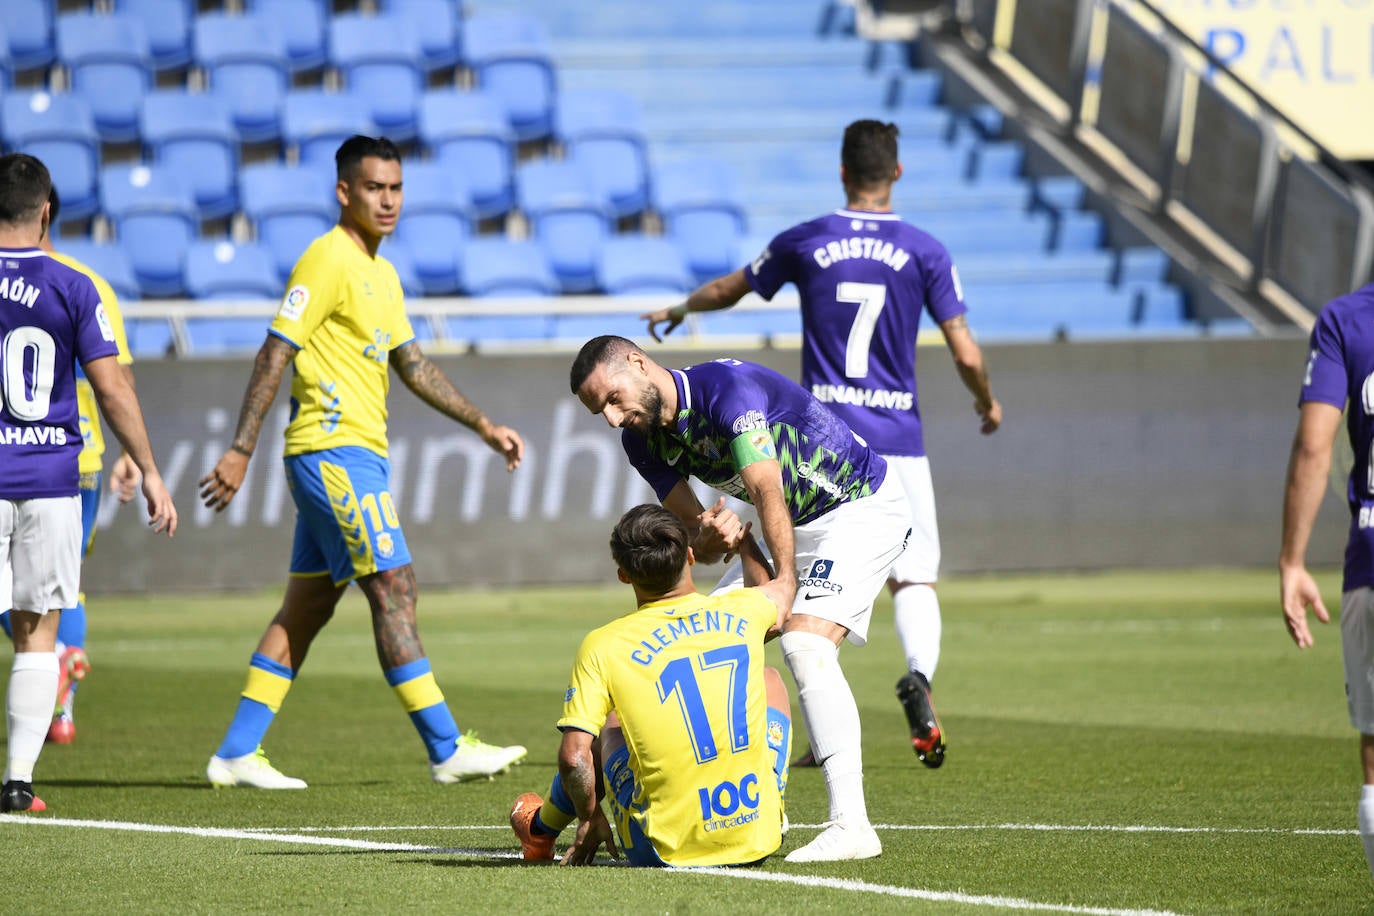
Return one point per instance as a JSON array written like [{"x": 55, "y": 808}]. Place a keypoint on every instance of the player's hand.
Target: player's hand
[
  {"x": 217, "y": 488},
  {"x": 720, "y": 533},
  {"x": 991, "y": 416},
  {"x": 1297, "y": 592},
  {"x": 504, "y": 440},
  {"x": 592, "y": 834},
  {"x": 670, "y": 316},
  {"x": 124, "y": 478},
  {"x": 162, "y": 515}
]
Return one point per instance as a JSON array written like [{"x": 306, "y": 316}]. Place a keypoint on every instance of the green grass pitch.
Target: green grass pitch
[{"x": 1118, "y": 743}]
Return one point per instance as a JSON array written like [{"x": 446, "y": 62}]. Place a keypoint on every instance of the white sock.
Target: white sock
[
  {"x": 28, "y": 710},
  {"x": 1366, "y": 822},
  {"x": 832, "y": 719},
  {"x": 917, "y": 617}
]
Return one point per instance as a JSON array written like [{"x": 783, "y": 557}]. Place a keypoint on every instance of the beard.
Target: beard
[{"x": 651, "y": 404}]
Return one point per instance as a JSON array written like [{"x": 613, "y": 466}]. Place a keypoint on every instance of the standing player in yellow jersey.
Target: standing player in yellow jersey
[
  {"x": 124, "y": 478},
  {"x": 341, "y": 324},
  {"x": 673, "y": 703}
]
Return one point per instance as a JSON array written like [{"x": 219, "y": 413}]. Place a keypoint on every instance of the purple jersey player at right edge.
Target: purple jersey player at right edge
[
  {"x": 51, "y": 319},
  {"x": 864, "y": 276},
  {"x": 1340, "y": 370}
]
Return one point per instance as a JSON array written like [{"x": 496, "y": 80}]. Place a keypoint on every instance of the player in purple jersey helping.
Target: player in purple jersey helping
[
  {"x": 1340, "y": 369},
  {"x": 864, "y": 276},
  {"x": 833, "y": 518},
  {"x": 51, "y": 319}
]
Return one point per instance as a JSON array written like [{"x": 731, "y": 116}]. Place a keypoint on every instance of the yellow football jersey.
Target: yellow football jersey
[
  {"x": 88, "y": 412},
  {"x": 685, "y": 676},
  {"x": 345, "y": 312}
]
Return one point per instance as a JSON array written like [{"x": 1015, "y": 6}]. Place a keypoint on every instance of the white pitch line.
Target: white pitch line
[
  {"x": 887, "y": 890},
  {"x": 225, "y": 833},
  {"x": 1034, "y": 828},
  {"x": 841, "y": 884}
]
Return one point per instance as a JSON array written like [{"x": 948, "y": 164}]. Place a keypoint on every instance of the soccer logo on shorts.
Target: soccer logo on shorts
[
  {"x": 820, "y": 569},
  {"x": 385, "y": 546},
  {"x": 294, "y": 303}
]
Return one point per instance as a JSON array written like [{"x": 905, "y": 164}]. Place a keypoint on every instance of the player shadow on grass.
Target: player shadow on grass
[{"x": 122, "y": 784}]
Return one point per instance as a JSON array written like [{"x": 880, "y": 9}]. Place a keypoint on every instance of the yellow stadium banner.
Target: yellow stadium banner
[{"x": 1311, "y": 59}]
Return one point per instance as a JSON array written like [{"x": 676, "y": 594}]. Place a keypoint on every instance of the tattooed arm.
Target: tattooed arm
[
  {"x": 219, "y": 486},
  {"x": 577, "y": 766},
  {"x": 435, "y": 389},
  {"x": 968, "y": 360}
]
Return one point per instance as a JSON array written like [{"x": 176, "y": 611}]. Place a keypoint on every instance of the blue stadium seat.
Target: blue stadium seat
[
  {"x": 602, "y": 131},
  {"x": 696, "y": 184},
  {"x": 500, "y": 330},
  {"x": 302, "y": 23},
  {"x": 435, "y": 221},
  {"x": 219, "y": 269},
  {"x": 149, "y": 338},
  {"x": 572, "y": 329},
  {"x": 497, "y": 266},
  {"x": 1076, "y": 230},
  {"x": 245, "y": 62},
  {"x": 224, "y": 336},
  {"x": 568, "y": 217},
  {"x": 998, "y": 159},
  {"x": 193, "y": 135},
  {"x": 979, "y": 232},
  {"x": 28, "y": 26},
  {"x": 1161, "y": 305},
  {"x": 110, "y": 261},
  {"x": 510, "y": 57},
  {"x": 290, "y": 207},
  {"x": 1145, "y": 264},
  {"x": 403, "y": 261},
  {"x": 1037, "y": 267},
  {"x": 6, "y": 62},
  {"x": 642, "y": 265},
  {"x": 709, "y": 240},
  {"x": 154, "y": 217},
  {"x": 378, "y": 57},
  {"x": 468, "y": 132},
  {"x": 764, "y": 324},
  {"x": 168, "y": 26},
  {"x": 60, "y": 130},
  {"x": 110, "y": 64},
  {"x": 316, "y": 122},
  {"x": 438, "y": 22}
]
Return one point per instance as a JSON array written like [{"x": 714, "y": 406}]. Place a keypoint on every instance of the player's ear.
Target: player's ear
[
  {"x": 691, "y": 556},
  {"x": 620, "y": 574},
  {"x": 341, "y": 192},
  {"x": 897, "y": 172}
]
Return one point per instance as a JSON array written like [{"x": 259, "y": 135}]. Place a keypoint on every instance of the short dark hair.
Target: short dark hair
[
  {"x": 650, "y": 544},
  {"x": 356, "y": 148},
  {"x": 869, "y": 152},
  {"x": 594, "y": 353},
  {"x": 24, "y": 187}
]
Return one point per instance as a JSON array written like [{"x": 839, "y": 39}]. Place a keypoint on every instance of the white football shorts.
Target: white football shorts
[
  {"x": 1357, "y": 648},
  {"x": 41, "y": 539},
  {"x": 844, "y": 558},
  {"x": 920, "y": 562}
]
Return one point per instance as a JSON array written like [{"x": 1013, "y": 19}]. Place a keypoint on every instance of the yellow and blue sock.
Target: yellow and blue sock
[
  {"x": 263, "y": 693},
  {"x": 780, "y": 743},
  {"x": 420, "y": 695},
  {"x": 557, "y": 811}
]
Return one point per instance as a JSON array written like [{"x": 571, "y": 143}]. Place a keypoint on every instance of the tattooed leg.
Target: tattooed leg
[{"x": 391, "y": 595}]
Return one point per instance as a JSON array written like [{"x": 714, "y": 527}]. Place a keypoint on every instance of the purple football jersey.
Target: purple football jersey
[
  {"x": 732, "y": 413},
  {"x": 1340, "y": 367},
  {"x": 863, "y": 279},
  {"x": 50, "y": 319}
]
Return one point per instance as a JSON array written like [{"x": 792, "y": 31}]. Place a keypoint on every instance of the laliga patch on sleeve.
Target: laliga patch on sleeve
[
  {"x": 103, "y": 320},
  {"x": 294, "y": 303}
]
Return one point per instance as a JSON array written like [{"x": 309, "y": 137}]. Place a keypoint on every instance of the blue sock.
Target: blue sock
[
  {"x": 416, "y": 688},
  {"x": 266, "y": 688},
  {"x": 563, "y": 814},
  {"x": 71, "y": 628},
  {"x": 5, "y": 624}
]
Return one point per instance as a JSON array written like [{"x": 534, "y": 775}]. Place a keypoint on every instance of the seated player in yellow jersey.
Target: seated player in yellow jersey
[
  {"x": 342, "y": 328},
  {"x": 674, "y": 705},
  {"x": 124, "y": 478}
]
